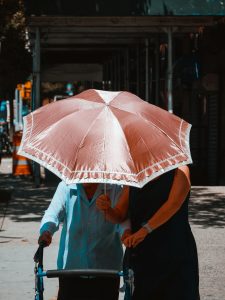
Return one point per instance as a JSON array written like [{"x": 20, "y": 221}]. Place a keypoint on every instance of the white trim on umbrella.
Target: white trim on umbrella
[
  {"x": 105, "y": 180},
  {"x": 140, "y": 184}
]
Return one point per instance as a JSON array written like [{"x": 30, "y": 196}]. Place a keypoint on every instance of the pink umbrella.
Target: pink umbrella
[{"x": 108, "y": 137}]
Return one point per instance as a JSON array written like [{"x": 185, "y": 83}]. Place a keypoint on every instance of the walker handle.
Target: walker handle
[
  {"x": 38, "y": 256},
  {"x": 82, "y": 272}
]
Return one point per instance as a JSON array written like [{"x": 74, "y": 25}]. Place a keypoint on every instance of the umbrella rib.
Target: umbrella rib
[
  {"x": 129, "y": 150},
  {"x": 151, "y": 123},
  {"x": 121, "y": 128},
  {"x": 119, "y": 94},
  {"x": 87, "y": 100},
  {"x": 32, "y": 124},
  {"x": 81, "y": 142},
  {"x": 104, "y": 141},
  {"x": 30, "y": 156},
  {"x": 100, "y": 94},
  {"x": 60, "y": 120},
  {"x": 161, "y": 130}
]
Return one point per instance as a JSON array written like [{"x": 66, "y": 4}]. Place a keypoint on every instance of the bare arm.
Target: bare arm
[
  {"x": 118, "y": 213},
  {"x": 53, "y": 215},
  {"x": 179, "y": 190}
]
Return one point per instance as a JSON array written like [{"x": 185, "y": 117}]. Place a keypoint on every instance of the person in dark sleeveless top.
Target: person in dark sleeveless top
[{"x": 161, "y": 248}]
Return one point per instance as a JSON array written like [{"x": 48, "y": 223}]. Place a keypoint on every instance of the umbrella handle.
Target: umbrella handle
[{"x": 105, "y": 188}]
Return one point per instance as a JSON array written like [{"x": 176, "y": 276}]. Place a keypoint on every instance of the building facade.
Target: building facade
[{"x": 171, "y": 60}]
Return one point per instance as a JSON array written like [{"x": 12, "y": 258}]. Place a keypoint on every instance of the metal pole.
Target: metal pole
[
  {"x": 36, "y": 99},
  {"x": 20, "y": 112},
  {"x": 213, "y": 138},
  {"x": 118, "y": 72},
  {"x": 126, "y": 69},
  {"x": 105, "y": 77},
  {"x": 157, "y": 75},
  {"x": 114, "y": 61},
  {"x": 147, "y": 70},
  {"x": 16, "y": 110},
  {"x": 137, "y": 70},
  {"x": 170, "y": 69},
  {"x": 111, "y": 75},
  {"x": 36, "y": 69}
]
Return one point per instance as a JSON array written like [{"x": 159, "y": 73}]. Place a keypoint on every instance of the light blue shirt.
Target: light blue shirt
[{"x": 88, "y": 241}]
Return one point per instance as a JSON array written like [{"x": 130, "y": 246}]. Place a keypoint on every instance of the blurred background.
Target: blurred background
[{"x": 170, "y": 53}]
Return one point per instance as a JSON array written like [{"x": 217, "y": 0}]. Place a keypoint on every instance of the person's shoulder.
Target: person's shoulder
[
  {"x": 184, "y": 169},
  {"x": 71, "y": 186},
  {"x": 183, "y": 173},
  {"x": 62, "y": 185},
  {"x": 66, "y": 187}
]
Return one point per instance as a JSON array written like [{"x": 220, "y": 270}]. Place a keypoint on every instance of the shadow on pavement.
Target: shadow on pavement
[
  {"x": 27, "y": 203},
  {"x": 207, "y": 207},
  {"x": 207, "y": 204}
]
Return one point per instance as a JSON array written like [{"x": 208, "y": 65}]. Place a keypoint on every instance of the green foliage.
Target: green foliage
[{"x": 15, "y": 59}]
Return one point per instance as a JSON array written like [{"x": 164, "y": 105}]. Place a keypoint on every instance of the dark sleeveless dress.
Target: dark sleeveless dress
[{"x": 165, "y": 264}]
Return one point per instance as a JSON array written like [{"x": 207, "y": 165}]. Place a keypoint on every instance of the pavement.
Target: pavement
[{"x": 19, "y": 226}]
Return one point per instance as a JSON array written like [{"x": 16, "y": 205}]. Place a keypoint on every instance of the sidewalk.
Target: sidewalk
[{"x": 18, "y": 238}]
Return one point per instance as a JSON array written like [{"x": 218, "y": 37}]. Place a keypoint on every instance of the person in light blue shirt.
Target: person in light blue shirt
[{"x": 88, "y": 240}]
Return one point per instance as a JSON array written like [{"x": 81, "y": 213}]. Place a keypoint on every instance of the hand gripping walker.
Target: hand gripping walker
[{"x": 40, "y": 274}]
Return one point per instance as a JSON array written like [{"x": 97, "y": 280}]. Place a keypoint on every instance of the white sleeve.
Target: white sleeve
[{"x": 56, "y": 210}]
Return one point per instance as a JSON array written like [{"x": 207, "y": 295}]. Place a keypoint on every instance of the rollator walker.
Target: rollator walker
[{"x": 39, "y": 272}]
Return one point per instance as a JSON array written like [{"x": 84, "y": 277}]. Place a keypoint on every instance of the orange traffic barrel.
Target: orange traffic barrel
[{"x": 21, "y": 165}]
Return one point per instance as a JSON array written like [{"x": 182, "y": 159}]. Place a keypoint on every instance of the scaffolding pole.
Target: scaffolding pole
[
  {"x": 157, "y": 72},
  {"x": 36, "y": 94},
  {"x": 138, "y": 70},
  {"x": 147, "y": 70},
  {"x": 170, "y": 69}
]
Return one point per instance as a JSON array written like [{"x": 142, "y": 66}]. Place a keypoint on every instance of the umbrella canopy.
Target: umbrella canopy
[{"x": 108, "y": 137}]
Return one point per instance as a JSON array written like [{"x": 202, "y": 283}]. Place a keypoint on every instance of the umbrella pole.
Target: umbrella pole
[
  {"x": 105, "y": 194},
  {"x": 105, "y": 188}
]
